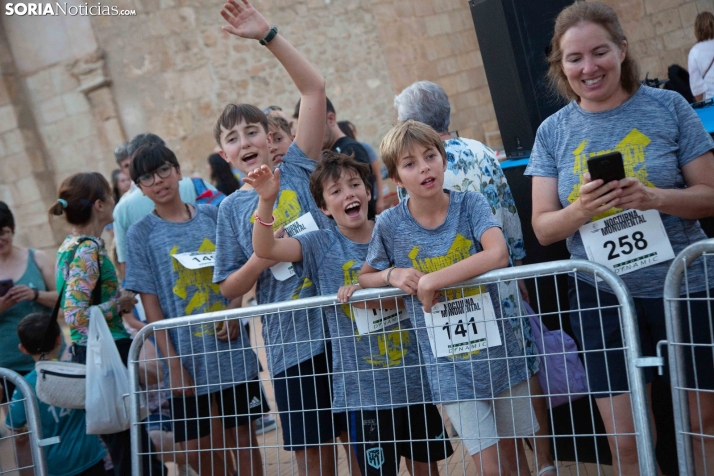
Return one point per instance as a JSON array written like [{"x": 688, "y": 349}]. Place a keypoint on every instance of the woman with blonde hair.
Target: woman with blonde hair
[
  {"x": 669, "y": 186},
  {"x": 701, "y": 58}
]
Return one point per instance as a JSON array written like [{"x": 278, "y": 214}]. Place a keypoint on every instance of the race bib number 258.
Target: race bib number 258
[{"x": 628, "y": 241}]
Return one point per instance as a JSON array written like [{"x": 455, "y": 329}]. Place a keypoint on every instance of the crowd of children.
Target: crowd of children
[
  {"x": 299, "y": 228},
  {"x": 377, "y": 392}
]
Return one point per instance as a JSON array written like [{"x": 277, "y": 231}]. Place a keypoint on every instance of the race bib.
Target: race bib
[
  {"x": 462, "y": 325},
  {"x": 304, "y": 224},
  {"x": 196, "y": 259},
  {"x": 628, "y": 241},
  {"x": 371, "y": 320}
]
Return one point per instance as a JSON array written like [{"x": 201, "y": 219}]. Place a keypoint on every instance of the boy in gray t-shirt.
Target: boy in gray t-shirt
[
  {"x": 170, "y": 267},
  {"x": 438, "y": 239},
  {"x": 377, "y": 376},
  {"x": 294, "y": 341}
]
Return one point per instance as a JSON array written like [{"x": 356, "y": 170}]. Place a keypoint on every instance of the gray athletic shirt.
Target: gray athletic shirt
[
  {"x": 400, "y": 241},
  {"x": 290, "y": 337},
  {"x": 657, "y": 133},
  {"x": 377, "y": 371},
  {"x": 150, "y": 268}
]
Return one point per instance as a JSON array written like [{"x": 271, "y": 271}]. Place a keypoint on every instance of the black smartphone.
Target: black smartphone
[
  {"x": 5, "y": 285},
  {"x": 607, "y": 167}
]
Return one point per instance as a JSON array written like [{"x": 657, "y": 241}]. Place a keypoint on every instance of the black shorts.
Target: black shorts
[
  {"x": 380, "y": 438},
  {"x": 237, "y": 406},
  {"x": 304, "y": 400},
  {"x": 596, "y": 330}
]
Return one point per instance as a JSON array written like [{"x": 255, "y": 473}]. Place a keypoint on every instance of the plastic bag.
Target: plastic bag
[
  {"x": 561, "y": 373},
  {"x": 107, "y": 380}
]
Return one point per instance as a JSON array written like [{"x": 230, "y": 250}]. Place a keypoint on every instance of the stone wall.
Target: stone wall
[
  {"x": 72, "y": 88},
  {"x": 174, "y": 69},
  {"x": 660, "y": 32},
  {"x": 435, "y": 40},
  {"x": 27, "y": 179}
]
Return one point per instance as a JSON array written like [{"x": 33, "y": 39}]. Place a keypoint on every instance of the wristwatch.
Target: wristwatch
[
  {"x": 269, "y": 37},
  {"x": 37, "y": 294}
]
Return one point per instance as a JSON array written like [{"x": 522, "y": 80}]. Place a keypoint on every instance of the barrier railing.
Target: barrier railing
[
  {"x": 209, "y": 441},
  {"x": 23, "y": 445},
  {"x": 689, "y": 315}
]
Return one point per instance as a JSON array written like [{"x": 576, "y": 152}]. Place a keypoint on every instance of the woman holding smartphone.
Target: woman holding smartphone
[
  {"x": 26, "y": 286},
  {"x": 651, "y": 214}
]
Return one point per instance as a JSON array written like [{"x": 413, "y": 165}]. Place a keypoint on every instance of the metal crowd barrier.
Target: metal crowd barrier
[
  {"x": 263, "y": 454},
  {"x": 683, "y": 346},
  {"x": 21, "y": 452}
]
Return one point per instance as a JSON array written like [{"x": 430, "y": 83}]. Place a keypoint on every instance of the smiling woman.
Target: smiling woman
[{"x": 669, "y": 165}]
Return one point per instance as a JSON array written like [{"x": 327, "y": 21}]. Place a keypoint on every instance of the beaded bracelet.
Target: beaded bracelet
[{"x": 257, "y": 218}]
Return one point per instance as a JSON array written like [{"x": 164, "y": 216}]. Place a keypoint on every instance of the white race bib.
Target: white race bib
[
  {"x": 371, "y": 320},
  {"x": 628, "y": 241},
  {"x": 195, "y": 259},
  {"x": 304, "y": 224},
  {"x": 462, "y": 325}
]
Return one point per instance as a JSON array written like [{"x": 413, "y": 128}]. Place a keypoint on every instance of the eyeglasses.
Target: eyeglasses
[
  {"x": 147, "y": 179},
  {"x": 272, "y": 108}
]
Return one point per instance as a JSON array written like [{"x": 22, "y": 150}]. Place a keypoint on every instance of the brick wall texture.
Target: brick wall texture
[{"x": 71, "y": 89}]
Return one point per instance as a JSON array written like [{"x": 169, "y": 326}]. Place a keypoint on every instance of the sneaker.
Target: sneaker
[{"x": 264, "y": 424}]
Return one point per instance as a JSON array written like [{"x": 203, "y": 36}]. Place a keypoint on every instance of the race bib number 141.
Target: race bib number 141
[
  {"x": 462, "y": 325},
  {"x": 628, "y": 241}
]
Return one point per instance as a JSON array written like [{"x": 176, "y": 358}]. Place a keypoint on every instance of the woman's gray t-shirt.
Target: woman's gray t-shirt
[
  {"x": 151, "y": 268},
  {"x": 657, "y": 133}
]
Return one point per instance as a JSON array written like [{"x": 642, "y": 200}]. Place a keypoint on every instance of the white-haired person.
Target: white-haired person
[{"x": 471, "y": 166}]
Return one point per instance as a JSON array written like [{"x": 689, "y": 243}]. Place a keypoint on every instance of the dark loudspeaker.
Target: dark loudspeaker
[{"x": 514, "y": 36}]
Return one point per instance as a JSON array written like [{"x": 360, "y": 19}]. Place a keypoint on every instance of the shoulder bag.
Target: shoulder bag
[{"x": 62, "y": 384}]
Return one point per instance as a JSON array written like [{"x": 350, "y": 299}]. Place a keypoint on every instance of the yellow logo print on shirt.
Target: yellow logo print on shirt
[
  {"x": 288, "y": 209},
  {"x": 392, "y": 345},
  {"x": 200, "y": 282},
  {"x": 304, "y": 284},
  {"x": 632, "y": 148},
  {"x": 460, "y": 250}
]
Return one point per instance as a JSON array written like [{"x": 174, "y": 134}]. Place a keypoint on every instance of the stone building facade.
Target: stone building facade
[{"x": 73, "y": 87}]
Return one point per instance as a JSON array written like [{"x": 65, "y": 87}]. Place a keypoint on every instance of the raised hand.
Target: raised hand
[
  {"x": 244, "y": 20},
  {"x": 265, "y": 182}
]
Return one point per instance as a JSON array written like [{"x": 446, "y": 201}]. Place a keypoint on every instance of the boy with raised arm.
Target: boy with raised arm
[
  {"x": 437, "y": 239},
  {"x": 377, "y": 376},
  {"x": 208, "y": 365},
  {"x": 295, "y": 341}
]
